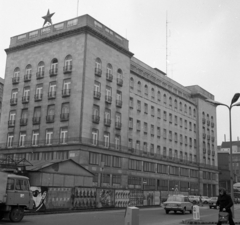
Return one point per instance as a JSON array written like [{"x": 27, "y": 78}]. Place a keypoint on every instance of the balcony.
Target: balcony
[
  {"x": 67, "y": 69},
  {"x": 203, "y": 120},
  {"x": 107, "y": 122},
  {"x": 11, "y": 123},
  {"x": 108, "y": 99},
  {"x": 64, "y": 116},
  {"x": 66, "y": 92},
  {"x": 27, "y": 77},
  {"x": 50, "y": 118},
  {"x": 119, "y": 82},
  {"x": 98, "y": 72},
  {"x": 119, "y": 103},
  {"x": 95, "y": 118},
  {"x": 15, "y": 80},
  {"x": 53, "y": 72},
  {"x": 13, "y": 101},
  {"x": 51, "y": 94},
  {"x": 118, "y": 125},
  {"x": 23, "y": 121},
  {"x": 25, "y": 99},
  {"x": 36, "y": 120},
  {"x": 97, "y": 95},
  {"x": 109, "y": 77},
  {"x": 40, "y": 75},
  {"x": 38, "y": 97}
]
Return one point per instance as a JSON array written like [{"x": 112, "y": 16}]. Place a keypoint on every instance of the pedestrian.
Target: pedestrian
[{"x": 225, "y": 203}]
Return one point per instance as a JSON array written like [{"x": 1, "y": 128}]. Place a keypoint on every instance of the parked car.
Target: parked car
[
  {"x": 194, "y": 199},
  {"x": 212, "y": 202},
  {"x": 205, "y": 199},
  {"x": 177, "y": 203}
]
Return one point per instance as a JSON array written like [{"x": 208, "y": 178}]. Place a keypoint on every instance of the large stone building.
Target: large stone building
[{"x": 74, "y": 90}]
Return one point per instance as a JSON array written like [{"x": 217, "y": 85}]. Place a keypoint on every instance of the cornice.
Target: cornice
[{"x": 85, "y": 29}]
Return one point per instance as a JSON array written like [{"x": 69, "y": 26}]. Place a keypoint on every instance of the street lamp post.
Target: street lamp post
[{"x": 234, "y": 99}]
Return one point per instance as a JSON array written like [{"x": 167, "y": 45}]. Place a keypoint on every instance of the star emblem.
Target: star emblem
[{"x": 47, "y": 18}]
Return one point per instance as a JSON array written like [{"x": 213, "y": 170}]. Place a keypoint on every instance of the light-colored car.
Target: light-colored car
[
  {"x": 194, "y": 199},
  {"x": 205, "y": 199},
  {"x": 177, "y": 203},
  {"x": 212, "y": 202}
]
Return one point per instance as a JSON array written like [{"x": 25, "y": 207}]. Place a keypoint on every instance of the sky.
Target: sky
[{"x": 203, "y": 39}]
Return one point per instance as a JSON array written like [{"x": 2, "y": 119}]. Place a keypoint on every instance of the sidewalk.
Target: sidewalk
[{"x": 212, "y": 219}]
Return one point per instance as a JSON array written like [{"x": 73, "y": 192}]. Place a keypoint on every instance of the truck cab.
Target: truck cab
[{"x": 15, "y": 196}]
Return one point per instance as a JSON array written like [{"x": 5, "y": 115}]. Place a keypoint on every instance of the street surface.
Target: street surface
[{"x": 147, "y": 216}]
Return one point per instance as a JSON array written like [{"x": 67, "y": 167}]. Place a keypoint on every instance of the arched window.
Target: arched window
[
  {"x": 98, "y": 67},
  {"x": 109, "y": 69},
  {"x": 180, "y": 106},
  {"x": 28, "y": 70},
  {"x": 194, "y": 112},
  {"x": 131, "y": 83},
  {"x": 153, "y": 93},
  {"x": 185, "y": 108},
  {"x": 68, "y": 63},
  {"x": 170, "y": 101},
  {"x": 175, "y": 104},
  {"x": 190, "y": 110},
  {"x": 16, "y": 73},
  {"x": 146, "y": 90},
  {"x": 159, "y": 96},
  {"x": 40, "y": 70},
  {"x": 164, "y": 99},
  {"x": 54, "y": 67},
  {"x": 139, "y": 87}
]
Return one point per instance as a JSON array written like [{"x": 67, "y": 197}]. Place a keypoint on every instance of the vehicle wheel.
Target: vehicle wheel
[
  {"x": 167, "y": 211},
  {"x": 16, "y": 214},
  {"x": 205, "y": 202},
  {"x": 184, "y": 211}
]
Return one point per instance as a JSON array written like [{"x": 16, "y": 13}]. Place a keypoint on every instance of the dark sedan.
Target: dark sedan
[{"x": 212, "y": 202}]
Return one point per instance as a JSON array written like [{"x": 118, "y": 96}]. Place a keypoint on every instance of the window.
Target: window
[
  {"x": 165, "y": 115},
  {"x": 181, "y": 139},
  {"x": 180, "y": 122},
  {"x": 159, "y": 96},
  {"x": 134, "y": 164},
  {"x": 138, "y": 145},
  {"x": 63, "y": 135},
  {"x": 107, "y": 117},
  {"x": 158, "y": 132},
  {"x": 152, "y": 111},
  {"x": 10, "y": 140},
  {"x": 190, "y": 126},
  {"x": 98, "y": 67},
  {"x": 162, "y": 168},
  {"x": 153, "y": 93},
  {"x": 190, "y": 110},
  {"x": 16, "y": 73},
  {"x": 164, "y": 133},
  {"x": 54, "y": 67},
  {"x": 145, "y": 147},
  {"x": 24, "y": 117},
  {"x": 22, "y": 139},
  {"x": 109, "y": 70},
  {"x": 170, "y": 101},
  {"x": 186, "y": 141},
  {"x": 130, "y": 123},
  {"x": 175, "y": 104},
  {"x": 139, "y": 87},
  {"x": 146, "y": 90},
  {"x": 138, "y": 106},
  {"x": 68, "y": 64},
  {"x": 180, "y": 106},
  {"x": 138, "y": 125},
  {"x": 28, "y": 71},
  {"x": 152, "y": 149},
  {"x": 184, "y": 172},
  {"x": 131, "y": 84},
  {"x": 14, "y": 96},
  {"x": 152, "y": 130},
  {"x": 159, "y": 113},
  {"x": 52, "y": 89},
  {"x": 94, "y": 137},
  {"x": 65, "y": 111},
  {"x": 158, "y": 150},
  {"x": 108, "y": 94},
  {"x": 36, "y": 115},
  {"x": 97, "y": 90},
  {"x": 26, "y": 92},
  {"x": 131, "y": 102},
  {"x": 66, "y": 87},
  {"x": 12, "y": 117},
  {"x": 170, "y": 135},
  {"x": 116, "y": 179},
  {"x": 173, "y": 170},
  {"x": 50, "y": 113},
  {"x": 185, "y": 124},
  {"x": 106, "y": 138},
  {"x": 130, "y": 144},
  {"x": 145, "y": 128},
  {"x": 35, "y": 137},
  {"x": 119, "y": 74},
  {"x": 170, "y": 118},
  {"x": 164, "y": 99},
  {"x": 40, "y": 70},
  {"x": 93, "y": 158},
  {"x": 117, "y": 142},
  {"x": 118, "y": 117},
  {"x": 176, "y": 120},
  {"x": 148, "y": 167},
  {"x": 146, "y": 108},
  {"x": 185, "y": 108},
  {"x": 119, "y": 99},
  {"x": 106, "y": 159},
  {"x": 39, "y": 92},
  {"x": 49, "y": 136}
]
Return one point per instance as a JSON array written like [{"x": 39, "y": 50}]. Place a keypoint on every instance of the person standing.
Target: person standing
[{"x": 225, "y": 203}]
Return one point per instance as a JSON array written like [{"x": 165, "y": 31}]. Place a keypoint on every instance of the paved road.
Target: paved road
[{"x": 147, "y": 216}]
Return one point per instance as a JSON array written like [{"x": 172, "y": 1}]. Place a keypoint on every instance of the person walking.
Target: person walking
[
  {"x": 225, "y": 203},
  {"x": 200, "y": 200}
]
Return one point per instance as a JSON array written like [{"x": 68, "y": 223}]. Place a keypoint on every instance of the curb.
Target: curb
[{"x": 203, "y": 222}]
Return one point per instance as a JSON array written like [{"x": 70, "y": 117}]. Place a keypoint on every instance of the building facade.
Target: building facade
[
  {"x": 1, "y": 94},
  {"x": 74, "y": 90}
]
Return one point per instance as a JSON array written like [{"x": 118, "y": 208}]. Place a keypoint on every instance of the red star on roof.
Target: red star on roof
[{"x": 47, "y": 18}]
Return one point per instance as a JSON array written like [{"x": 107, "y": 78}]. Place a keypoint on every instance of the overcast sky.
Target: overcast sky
[{"x": 203, "y": 40}]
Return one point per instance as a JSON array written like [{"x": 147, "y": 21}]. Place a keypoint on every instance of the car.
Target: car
[
  {"x": 178, "y": 203},
  {"x": 205, "y": 199},
  {"x": 194, "y": 199},
  {"x": 213, "y": 202}
]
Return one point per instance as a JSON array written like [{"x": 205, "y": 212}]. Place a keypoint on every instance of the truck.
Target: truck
[{"x": 15, "y": 196}]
